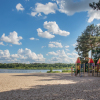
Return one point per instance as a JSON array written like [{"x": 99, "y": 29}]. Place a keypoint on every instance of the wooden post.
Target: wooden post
[
  {"x": 71, "y": 71},
  {"x": 76, "y": 69},
  {"x": 94, "y": 69},
  {"x": 80, "y": 69},
  {"x": 84, "y": 69},
  {"x": 98, "y": 70},
  {"x": 89, "y": 69}
]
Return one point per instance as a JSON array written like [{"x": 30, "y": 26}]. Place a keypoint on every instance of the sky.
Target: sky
[{"x": 43, "y": 31}]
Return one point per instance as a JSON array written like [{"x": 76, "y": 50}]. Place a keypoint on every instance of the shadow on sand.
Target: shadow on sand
[{"x": 83, "y": 88}]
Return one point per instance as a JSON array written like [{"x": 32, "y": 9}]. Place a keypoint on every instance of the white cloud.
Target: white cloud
[
  {"x": 98, "y": 25},
  {"x": 52, "y": 53},
  {"x": 11, "y": 38},
  {"x": 19, "y": 7},
  {"x": 71, "y": 7},
  {"x": 32, "y": 38},
  {"x": 23, "y": 56},
  {"x": 74, "y": 45},
  {"x": 93, "y": 14},
  {"x": 67, "y": 49},
  {"x": 52, "y": 26},
  {"x": 28, "y": 55},
  {"x": 44, "y": 17},
  {"x": 10, "y": 45},
  {"x": 33, "y": 13},
  {"x": 67, "y": 46},
  {"x": 1, "y": 43},
  {"x": 43, "y": 46},
  {"x": 39, "y": 14},
  {"x": 62, "y": 57},
  {"x": 55, "y": 44},
  {"x": 44, "y": 8},
  {"x": 44, "y": 34}
]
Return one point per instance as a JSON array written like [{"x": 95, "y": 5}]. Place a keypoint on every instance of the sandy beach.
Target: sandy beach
[{"x": 44, "y": 86}]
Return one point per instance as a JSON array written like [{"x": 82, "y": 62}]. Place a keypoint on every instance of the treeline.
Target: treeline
[{"x": 36, "y": 66}]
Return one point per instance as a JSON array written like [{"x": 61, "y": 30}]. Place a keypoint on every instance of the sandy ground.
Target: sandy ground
[{"x": 44, "y": 86}]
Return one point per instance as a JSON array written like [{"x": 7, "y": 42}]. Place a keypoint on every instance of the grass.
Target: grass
[
  {"x": 66, "y": 71},
  {"x": 53, "y": 72}
]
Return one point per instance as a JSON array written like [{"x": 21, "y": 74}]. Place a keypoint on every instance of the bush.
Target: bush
[{"x": 51, "y": 69}]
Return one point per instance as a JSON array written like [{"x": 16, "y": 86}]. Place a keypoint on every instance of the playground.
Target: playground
[{"x": 86, "y": 69}]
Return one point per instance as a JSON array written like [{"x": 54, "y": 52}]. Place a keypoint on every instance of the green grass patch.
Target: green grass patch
[
  {"x": 53, "y": 72},
  {"x": 66, "y": 71}
]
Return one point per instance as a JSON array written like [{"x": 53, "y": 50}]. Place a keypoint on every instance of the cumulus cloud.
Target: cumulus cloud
[
  {"x": 55, "y": 44},
  {"x": 62, "y": 57},
  {"x": 44, "y": 8},
  {"x": 44, "y": 34},
  {"x": 52, "y": 53},
  {"x": 32, "y": 38},
  {"x": 19, "y": 7},
  {"x": 67, "y": 46},
  {"x": 74, "y": 45},
  {"x": 28, "y": 55},
  {"x": 71, "y": 7},
  {"x": 43, "y": 46},
  {"x": 52, "y": 28},
  {"x": 44, "y": 17},
  {"x": 11, "y": 38},
  {"x": 1, "y": 43},
  {"x": 93, "y": 14},
  {"x": 22, "y": 56}
]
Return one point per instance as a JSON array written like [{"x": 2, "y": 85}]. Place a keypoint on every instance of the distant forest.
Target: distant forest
[{"x": 36, "y": 66}]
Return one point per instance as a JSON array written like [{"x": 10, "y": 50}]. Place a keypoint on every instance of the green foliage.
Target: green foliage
[
  {"x": 95, "y": 5},
  {"x": 89, "y": 40},
  {"x": 36, "y": 66},
  {"x": 51, "y": 69}
]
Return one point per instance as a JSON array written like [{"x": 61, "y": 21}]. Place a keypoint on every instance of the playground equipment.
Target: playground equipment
[
  {"x": 91, "y": 67},
  {"x": 81, "y": 69},
  {"x": 98, "y": 67}
]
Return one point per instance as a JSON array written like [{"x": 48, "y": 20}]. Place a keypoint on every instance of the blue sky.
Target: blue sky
[{"x": 43, "y": 31}]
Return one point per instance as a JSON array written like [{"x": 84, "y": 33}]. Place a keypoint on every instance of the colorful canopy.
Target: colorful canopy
[
  {"x": 98, "y": 61},
  {"x": 90, "y": 60},
  {"x": 78, "y": 60}
]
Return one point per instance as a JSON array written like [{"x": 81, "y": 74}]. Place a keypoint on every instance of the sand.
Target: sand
[{"x": 44, "y": 86}]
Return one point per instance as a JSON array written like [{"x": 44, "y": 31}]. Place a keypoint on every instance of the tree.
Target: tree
[
  {"x": 89, "y": 40},
  {"x": 95, "y": 5}
]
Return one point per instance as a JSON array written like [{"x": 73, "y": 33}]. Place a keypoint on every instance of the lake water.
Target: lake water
[{"x": 24, "y": 71}]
